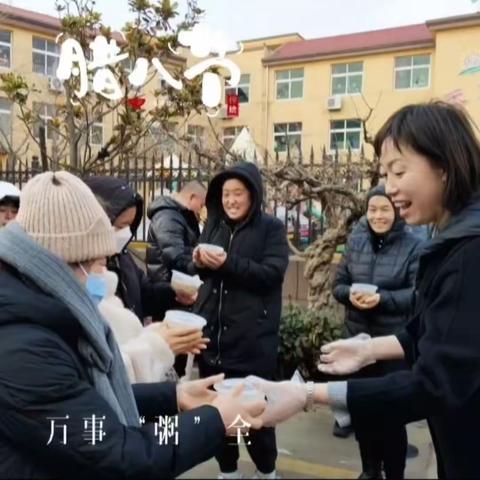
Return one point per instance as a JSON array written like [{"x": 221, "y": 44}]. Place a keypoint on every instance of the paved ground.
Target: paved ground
[{"x": 309, "y": 450}]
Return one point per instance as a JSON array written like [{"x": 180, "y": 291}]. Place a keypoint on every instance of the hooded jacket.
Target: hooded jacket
[
  {"x": 173, "y": 234},
  {"x": 139, "y": 294},
  {"x": 392, "y": 269},
  {"x": 43, "y": 376},
  {"x": 242, "y": 300},
  {"x": 442, "y": 344}
]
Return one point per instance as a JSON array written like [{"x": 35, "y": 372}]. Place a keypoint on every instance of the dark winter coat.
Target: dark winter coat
[
  {"x": 392, "y": 268},
  {"x": 173, "y": 234},
  {"x": 138, "y": 293},
  {"x": 42, "y": 375},
  {"x": 242, "y": 300},
  {"x": 442, "y": 344}
]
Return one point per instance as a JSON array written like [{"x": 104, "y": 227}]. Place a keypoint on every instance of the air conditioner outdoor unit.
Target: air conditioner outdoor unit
[
  {"x": 55, "y": 84},
  {"x": 334, "y": 102}
]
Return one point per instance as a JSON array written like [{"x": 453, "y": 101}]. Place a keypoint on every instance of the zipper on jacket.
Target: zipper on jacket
[{"x": 219, "y": 334}]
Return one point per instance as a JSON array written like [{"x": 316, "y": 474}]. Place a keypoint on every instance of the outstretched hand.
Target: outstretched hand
[
  {"x": 343, "y": 357},
  {"x": 284, "y": 399}
]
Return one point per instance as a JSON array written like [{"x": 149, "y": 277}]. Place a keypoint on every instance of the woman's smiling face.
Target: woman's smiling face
[{"x": 415, "y": 187}]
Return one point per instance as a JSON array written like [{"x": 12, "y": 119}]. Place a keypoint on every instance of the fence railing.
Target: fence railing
[{"x": 157, "y": 176}]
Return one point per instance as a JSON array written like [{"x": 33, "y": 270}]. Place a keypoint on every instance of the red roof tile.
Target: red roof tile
[{"x": 355, "y": 42}]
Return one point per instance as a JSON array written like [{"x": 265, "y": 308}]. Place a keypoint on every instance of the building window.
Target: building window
[
  {"x": 345, "y": 134},
  {"x": 347, "y": 78},
  {"x": 289, "y": 84},
  {"x": 195, "y": 134},
  {"x": 284, "y": 133},
  {"x": 45, "y": 56},
  {"x": 412, "y": 72},
  {"x": 45, "y": 113},
  {"x": 229, "y": 136},
  {"x": 96, "y": 134},
  {"x": 242, "y": 89},
  {"x": 162, "y": 136},
  {"x": 5, "y": 49},
  {"x": 6, "y": 118}
]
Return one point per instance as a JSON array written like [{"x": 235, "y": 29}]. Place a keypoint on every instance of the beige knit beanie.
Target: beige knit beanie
[{"x": 62, "y": 214}]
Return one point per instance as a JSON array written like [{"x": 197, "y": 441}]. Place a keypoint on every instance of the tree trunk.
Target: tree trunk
[
  {"x": 71, "y": 129},
  {"x": 320, "y": 272}
]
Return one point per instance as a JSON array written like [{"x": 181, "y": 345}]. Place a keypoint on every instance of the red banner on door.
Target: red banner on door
[{"x": 233, "y": 108}]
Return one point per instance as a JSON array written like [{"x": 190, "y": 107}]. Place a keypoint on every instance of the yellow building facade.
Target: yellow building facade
[
  {"x": 312, "y": 93},
  {"x": 307, "y": 94}
]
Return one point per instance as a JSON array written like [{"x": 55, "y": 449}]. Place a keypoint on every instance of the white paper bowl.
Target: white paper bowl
[
  {"x": 209, "y": 247},
  {"x": 185, "y": 283},
  {"x": 179, "y": 318},
  {"x": 249, "y": 393},
  {"x": 363, "y": 288}
]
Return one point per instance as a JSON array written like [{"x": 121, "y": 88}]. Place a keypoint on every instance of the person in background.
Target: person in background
[
  {"x": 61, "y": 371},
  {"x": 382, "y": 252},
  {"x": 9, "y": 202},
  {"x": 172, "y": 235},
  {"x": 138, "y": 293},
  {"x": 174, "y": 231},
  {"x": 241, "y": 298}
]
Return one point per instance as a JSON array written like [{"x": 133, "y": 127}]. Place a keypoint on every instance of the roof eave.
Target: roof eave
[
  {"x": 459, "y": 21},
  {"x": 30, "y": 24},
  {"x": 347, "y": 53}
]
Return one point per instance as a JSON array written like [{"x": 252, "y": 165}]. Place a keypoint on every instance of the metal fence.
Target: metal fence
[{"x": 164, "y": 175}]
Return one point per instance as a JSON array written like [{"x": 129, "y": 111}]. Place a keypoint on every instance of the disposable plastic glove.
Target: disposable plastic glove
[
  {"x": 343, "y": 357},
  {"x": 284, "y": 399}
]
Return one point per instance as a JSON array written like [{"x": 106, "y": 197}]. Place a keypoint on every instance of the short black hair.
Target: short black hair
[
  {"x": 445, "y": 135},
  {"x": 10, "y": 201}
]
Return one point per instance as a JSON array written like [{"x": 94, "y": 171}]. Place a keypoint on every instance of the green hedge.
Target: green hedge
[{"x": 302, "y": 333}]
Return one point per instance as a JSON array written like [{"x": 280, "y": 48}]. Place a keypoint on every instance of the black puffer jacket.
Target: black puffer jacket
[
  {"x": 242, "y": 301},
  {"x": 442, "y": 345},
  {"x": 173, "y": 234},
  {"x": 42, "y": 375},
  {"x": 138, "y": 293},
  {"x": 393, "y": 269}
]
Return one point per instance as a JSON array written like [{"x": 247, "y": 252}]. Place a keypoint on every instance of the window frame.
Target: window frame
[
  {"x": 9, "y": 45},
  {"x": 288, "y": 134},
  {"x": 45, "y": 54},
  {"x": 96, "y": 124},
  {"x": 9, "y": 112},
  {"x": 162, "y": 139},
  {"x": 289, "y": 81},
  {"x": 411, "y": 67},
  {"x": 240, "y": 86},
  {"x": 195, "y": 138},
  {"x": 346, "y": 75},
  {"x": 231, "y": 137},
  {"x": 45, "y": 118},
  {"x": 345, "y": 130}
]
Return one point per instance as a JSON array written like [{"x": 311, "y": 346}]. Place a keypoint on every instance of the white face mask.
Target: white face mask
[{"x": 122, "y": 237}]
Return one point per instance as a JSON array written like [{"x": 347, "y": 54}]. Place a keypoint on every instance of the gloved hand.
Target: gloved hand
[
  {"x": 343, "y": 357},
  {"x": 284, "y": 399}
]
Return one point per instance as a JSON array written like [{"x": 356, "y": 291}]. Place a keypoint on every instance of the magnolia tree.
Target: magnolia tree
[{"x": 152, "y": 36}]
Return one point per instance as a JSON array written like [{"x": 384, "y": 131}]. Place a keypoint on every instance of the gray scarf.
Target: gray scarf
[{"x": 97, "y": 346}]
